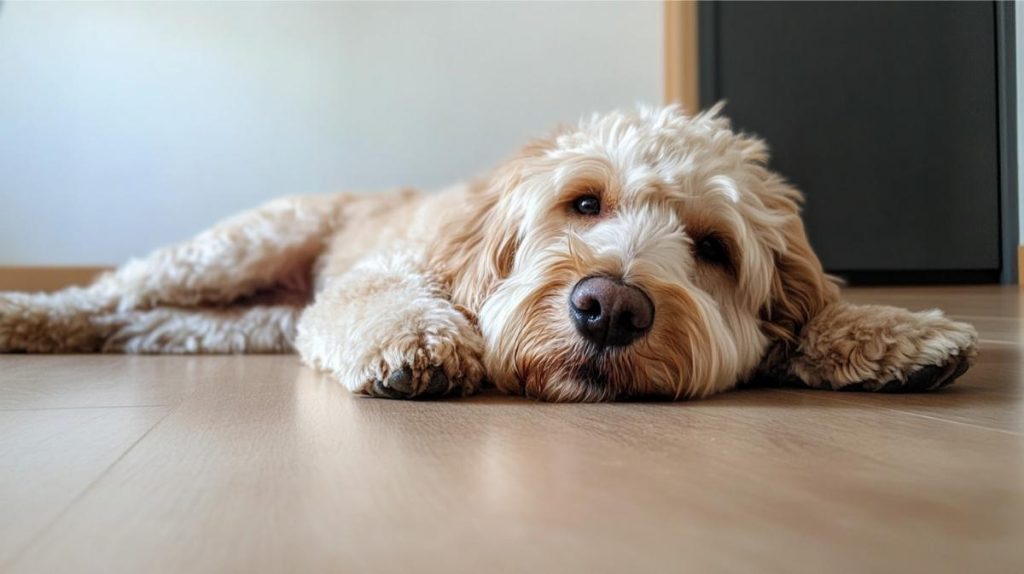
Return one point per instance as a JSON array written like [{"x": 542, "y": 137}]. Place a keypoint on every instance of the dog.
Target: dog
[{"x": 640, "y": 254}]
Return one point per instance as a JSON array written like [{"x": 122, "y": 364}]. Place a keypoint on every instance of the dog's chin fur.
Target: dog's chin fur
[{"x": 410, "y": 294}]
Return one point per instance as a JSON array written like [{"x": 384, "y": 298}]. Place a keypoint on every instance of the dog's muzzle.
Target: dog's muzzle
[{"x": 610, "y": 313}]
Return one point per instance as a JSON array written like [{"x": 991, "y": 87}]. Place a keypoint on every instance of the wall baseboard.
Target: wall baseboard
[{"x": 46, "y": 278}]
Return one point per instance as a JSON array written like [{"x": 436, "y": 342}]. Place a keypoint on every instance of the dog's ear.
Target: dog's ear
[
  {"x": 479, "y": 246},
  {"x": 800, "y": 289},
  {"x": 823, "y": 342}
]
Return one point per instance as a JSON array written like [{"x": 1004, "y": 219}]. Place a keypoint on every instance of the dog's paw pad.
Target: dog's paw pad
[
  {"x": 399, "y": 385},
  {"x": 928, "y": 378},
  {"x": 931, "y": 377},
  {"x": 404, "y": 383}
]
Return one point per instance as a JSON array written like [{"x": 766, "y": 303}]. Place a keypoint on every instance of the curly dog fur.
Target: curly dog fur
[{"x": 408, "y": 294}]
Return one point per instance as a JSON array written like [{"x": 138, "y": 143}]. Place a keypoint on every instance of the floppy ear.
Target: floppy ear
[
  {"x": 476, "y": 251},
  {"x": 481, "y": 236},
  {"x": 478, "y": 247},
  {"x": 823, "y": 342}
]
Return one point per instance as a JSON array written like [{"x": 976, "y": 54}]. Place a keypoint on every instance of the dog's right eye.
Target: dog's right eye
[{"x": 587, "y": 205}]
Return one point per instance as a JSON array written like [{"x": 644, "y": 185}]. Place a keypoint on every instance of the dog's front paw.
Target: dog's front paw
[
  {"x": 435, "y": 359},
  {"x": 426, "y": 350},
  {"x": 884, "y": 349},
  {"x": 406, "y": 383}
]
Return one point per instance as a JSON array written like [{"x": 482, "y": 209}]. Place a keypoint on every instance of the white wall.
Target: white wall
[{"x": 124, "y": 126}]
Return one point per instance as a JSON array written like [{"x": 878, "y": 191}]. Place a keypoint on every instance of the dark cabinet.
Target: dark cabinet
[{"x": 887, "y": 116}]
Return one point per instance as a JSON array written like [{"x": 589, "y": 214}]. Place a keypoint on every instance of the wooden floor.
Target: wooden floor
[{"x": 252, "y": 464}]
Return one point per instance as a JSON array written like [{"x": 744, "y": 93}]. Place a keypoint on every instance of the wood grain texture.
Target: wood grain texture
[{"x": 264, "y": 465}]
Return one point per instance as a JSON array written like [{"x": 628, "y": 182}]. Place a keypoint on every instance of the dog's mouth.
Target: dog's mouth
[
  {"x": 592, "y": 373},
  {"x": 589, "y": 382},
  {"x": 597, "y": 375},
  {"x": 603, "y": 375}
]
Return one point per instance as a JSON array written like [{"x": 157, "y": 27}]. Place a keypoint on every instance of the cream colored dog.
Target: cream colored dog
[{"x": 640, "y": 254}]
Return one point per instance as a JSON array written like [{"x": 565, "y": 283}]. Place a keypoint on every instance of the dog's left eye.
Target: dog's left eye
[
  {"x": 587, "y": 205},
  {"x": 712, "y": 250}
]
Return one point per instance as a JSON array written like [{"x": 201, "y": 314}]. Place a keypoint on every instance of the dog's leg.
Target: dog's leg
[
  {"x": 234, "y": 329},
  {"x": 878, "y": 348},
  {"x": 386, "y": 329},
  {"x": 40, "y": 323},
  {"x": 60, "y": 322},
  {"x": 823, "y": 342},
  {"x": 272, "y": 245},
  {"x": 268, "y": 249}
]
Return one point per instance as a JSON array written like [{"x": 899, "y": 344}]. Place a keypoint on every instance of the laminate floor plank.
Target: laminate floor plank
[
  {"x": 89, "y": 381},
  {"x": 49, "y": 458}
]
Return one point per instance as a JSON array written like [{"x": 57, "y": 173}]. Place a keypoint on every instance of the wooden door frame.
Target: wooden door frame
[{"x": 681, "y": 56}]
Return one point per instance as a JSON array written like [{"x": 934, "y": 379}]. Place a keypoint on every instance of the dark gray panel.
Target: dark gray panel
[{"x": 884, "y": 114}]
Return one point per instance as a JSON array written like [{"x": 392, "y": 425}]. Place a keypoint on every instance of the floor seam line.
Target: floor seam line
[
  {"x": 911, "y": 413},
  {"x": 17, "y": 556}
]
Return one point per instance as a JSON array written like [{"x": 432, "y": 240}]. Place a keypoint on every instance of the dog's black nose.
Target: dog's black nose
[{"x": 608, "y": 312}]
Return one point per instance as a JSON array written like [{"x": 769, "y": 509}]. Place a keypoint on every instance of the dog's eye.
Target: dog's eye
[
  {"x": 587, "y": 205},
  {"x": 711, "y": 249}
]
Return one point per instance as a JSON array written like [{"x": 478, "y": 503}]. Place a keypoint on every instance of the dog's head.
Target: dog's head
[{"x": 638, "y": 254}]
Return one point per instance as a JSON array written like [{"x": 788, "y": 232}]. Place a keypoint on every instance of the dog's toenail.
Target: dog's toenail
[
  {"x": 438, "y": 384},
  {"x": 401, "y": 381},
  {"x": 382, "y": 390}
]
